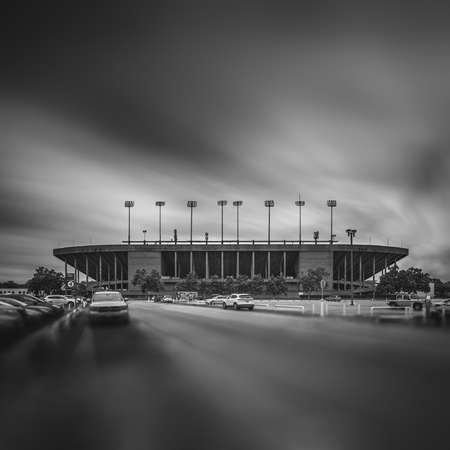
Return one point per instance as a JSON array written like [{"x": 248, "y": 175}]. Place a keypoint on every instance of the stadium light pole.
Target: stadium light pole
[
  {"x": 299, "y": 203},
  {"x": 351, "y": 234},
  {"x": 129, "y": 204},
  {"x": 331, "y": 204},
  {"x": 237, "y": 203},
  {"x": 222, "y": 203},
  {"x": 269, "y": 204},
  {"x": 145, "y": 232},
  {"x": 159, "y": 204},
  {"x": 191, "y": 204}
]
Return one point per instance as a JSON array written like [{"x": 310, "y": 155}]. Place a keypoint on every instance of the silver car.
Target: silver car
[{"x": 108, "y": 306}]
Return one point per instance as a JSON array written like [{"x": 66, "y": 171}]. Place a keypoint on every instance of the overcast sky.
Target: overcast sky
[{"x": 180, "y": 101}]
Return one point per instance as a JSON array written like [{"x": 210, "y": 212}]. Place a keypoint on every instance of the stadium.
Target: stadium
[{"x": 351, "y": 267}]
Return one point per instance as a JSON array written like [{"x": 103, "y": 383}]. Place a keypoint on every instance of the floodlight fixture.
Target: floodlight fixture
[
  {"x": 269, "y": 204},
  {"x": 129, "y": 204},
  {"x": 191, "y": 204},
  {"x": 237, "y": 203},
  {"x": 221, "y": 203},
  {"x": 331, "y": 204},
  {"x": 159, "y": 204}
]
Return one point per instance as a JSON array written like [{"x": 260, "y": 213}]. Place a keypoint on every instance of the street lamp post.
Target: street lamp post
[
  {"x": 145, "y": 232},
  {"x": 129, "y": 204},
  {"x": 221, "y": 203},
  {"x": 191, "y": 204},
  {"x": 331, "y": 204},
  {"x": 351, "y": 234},
  {"x": 299, "y": 203},
  {"x": 269, "y": 204},
  {"x": 237, "y": 203},
  {"x": 159, "y": 204}
]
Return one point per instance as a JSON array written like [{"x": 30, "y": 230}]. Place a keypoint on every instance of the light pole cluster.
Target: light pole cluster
[
  {"x": 238, "y": 203},
  {"x": 351, "y": 234}
]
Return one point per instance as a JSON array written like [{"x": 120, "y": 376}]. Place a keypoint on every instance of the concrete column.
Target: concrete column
[
  {"x": 345, "y": 272},
  {"x": 268, "y": 264},
  {"x": 284, "y": 264},
  {"x": 221, "y": 265},
  {"x": 109, "y": 276},
  {"x": 100, "y": 269},
  {"x": 191, "y": 262},
  {"x": 115, "y": 271},
  {"x": 339, "y": 277},
  {"x": 175, "y": 265},
  {"x": 206, "y": 266},
  {"x": 87, "y": 271},
  {"x": 75, "y": 270},
  {"x": 360, "y": 272},
  {"x": 65, "y": 269},
  {"x": 252, "y": 269},
  {"x": 373, "y": 275},
  {"x": 121, "y": 277},
  {"x": 237, "y": 264}
]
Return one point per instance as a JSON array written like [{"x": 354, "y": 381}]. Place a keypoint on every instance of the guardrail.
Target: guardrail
[{"x": 406, "y": 309}]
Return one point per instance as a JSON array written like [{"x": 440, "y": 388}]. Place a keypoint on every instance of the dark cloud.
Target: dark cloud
[{"x": 242, "y": 99}]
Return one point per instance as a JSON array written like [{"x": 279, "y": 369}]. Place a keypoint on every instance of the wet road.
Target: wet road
[{"x": 180, "y": 377}]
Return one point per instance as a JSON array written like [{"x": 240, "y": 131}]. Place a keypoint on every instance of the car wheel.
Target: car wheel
[
  {"x": 235, "y": 306},
  {"x": 224, "y": 305},
  {"x": 417, "y": 306},
  {"x": 251, "y": 308}
]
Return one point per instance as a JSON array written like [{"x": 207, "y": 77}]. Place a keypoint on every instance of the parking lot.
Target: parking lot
[{"x": 183, "y": 377}]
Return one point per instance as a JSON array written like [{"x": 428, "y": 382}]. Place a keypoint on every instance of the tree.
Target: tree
[
  {"x": 276, "y": 285},
  {"x": 148, "y": 281},
  {"x": 189, "y": 283},
  {"x": 46, "y": 280},
  {"x": 229, "y": 285},
  {"x": 441, "y": 289},
  {"x": 310, "y": 281},
  {"x": 410, "y": 280},
  {"x": 242, "y": 284},
  {"x": 256, "y": 285}
]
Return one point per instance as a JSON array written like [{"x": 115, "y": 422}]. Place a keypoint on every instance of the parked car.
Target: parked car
[
  {"x": 32, "y": 315},
  {"x": 216, "y": 300},
  {"x": 108, "y": 306},
  {"x": 440, "y": 308},
  {"x": 167, "y": 299},
  {"x": 407, "y": 299},
  {"x": 67, "y": 302},
  {"x": 239, "y": 301},
  {"x": 333, "y": 298},
  {"x": 11, "y": 319},
  {"x": 31, "y": 300}
]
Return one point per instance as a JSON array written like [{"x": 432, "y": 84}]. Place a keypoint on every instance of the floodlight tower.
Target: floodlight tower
[
  {"x": 129, "y": 204},
  {"x": 300, "y": 204},
  {"x": 159, "y": 205},
  {"x": 331, "y": 204},
  {"x": 191, "y": 204},
  {"x": 222, "y": 203},
  {"x": 269, "y": 204},
  {"x": 237, "y": 203},
  {"x": 351, "y": 234}
]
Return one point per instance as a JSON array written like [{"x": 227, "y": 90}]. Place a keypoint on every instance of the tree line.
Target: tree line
[{"x": 395, "y": 280}]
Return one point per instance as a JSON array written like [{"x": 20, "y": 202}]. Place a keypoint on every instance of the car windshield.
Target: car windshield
[
  {"x": 245, "y": 297},
  {"x": 107, "y": 297}
]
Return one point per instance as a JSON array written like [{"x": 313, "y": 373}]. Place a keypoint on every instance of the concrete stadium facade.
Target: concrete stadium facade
[{"x": 115, "y": 265}]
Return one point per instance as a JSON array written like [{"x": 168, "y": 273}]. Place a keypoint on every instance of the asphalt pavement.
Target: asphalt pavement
[{"x": 181, "y": 377}]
